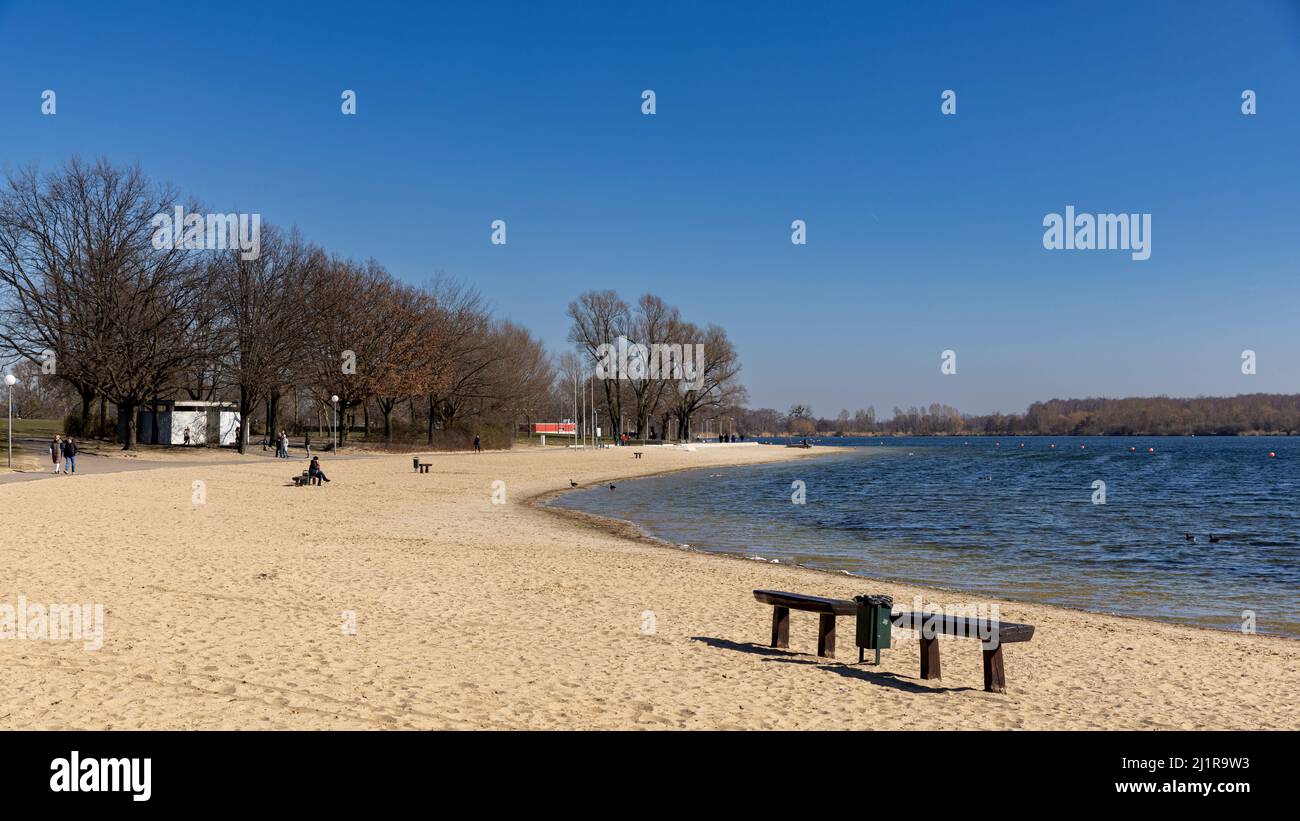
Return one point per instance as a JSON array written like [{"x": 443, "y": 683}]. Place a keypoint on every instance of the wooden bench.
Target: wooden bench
[
  {"x": 302, "y": 479},
  {"x": 933, "y": 624},
  {"x": 782, "y": 603},
  {"x": 420, "y": 467},
  {"x": 936, "y": 624}
]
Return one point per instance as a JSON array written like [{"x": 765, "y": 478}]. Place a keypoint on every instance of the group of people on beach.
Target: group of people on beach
[
  {"x": 282, "y": 444},
  {"x": 63, "y": 453}
]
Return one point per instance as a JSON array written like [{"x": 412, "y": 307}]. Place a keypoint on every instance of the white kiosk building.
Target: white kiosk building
[{"x": 210, "y": 423}]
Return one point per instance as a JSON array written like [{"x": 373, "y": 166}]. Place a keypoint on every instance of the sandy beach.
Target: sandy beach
[{"x": 388, "y": 599}]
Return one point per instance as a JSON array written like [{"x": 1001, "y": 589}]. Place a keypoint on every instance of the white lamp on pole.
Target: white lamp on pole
[
  {"x": 334, "y": 424},
  {"x": 10, "y": 380}
]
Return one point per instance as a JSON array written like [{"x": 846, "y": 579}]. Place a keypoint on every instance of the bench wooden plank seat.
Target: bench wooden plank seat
[
  {"x": 798, "y": 601},
  {"x": 935, "y": 624}
]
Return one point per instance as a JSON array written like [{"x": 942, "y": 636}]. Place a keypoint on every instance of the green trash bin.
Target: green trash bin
[{"x": 874, "y": 624}]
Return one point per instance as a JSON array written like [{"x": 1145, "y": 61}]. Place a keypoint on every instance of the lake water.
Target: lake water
[{"x": 1014, "y": 518}]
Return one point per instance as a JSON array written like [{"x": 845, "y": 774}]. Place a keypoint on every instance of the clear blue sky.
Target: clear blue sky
[{"x": 924, "y": 231}]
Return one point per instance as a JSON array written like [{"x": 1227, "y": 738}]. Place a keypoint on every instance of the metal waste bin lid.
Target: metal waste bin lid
[{"x": 875, "y": 601}]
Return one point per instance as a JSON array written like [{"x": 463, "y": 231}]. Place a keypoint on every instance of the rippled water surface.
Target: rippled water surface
[{"x": 1014, "y": 518}]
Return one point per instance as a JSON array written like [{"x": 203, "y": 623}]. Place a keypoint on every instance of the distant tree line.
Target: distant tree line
[
  {"x": 1257, "y": 413},
  {"x": 93, "y": 310}
]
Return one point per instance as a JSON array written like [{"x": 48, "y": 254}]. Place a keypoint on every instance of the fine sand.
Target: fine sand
[{"x": 235, "y": 612}]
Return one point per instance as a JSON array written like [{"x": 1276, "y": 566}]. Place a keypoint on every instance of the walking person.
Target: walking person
[
  {"x": 70, "y": 456},
  {"x": 478, "y": 444},
  {"x": 56, "y": 453},
  {"x": 306, "y": 442},
  {"x": 187, "y": 436}
]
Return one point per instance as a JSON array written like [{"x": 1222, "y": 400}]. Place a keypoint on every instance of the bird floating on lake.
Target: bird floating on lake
[
  {"x": 1189, "y": 537},
  {"x": 1215, "y": 539},
  {"x": 611, "y": 487}
]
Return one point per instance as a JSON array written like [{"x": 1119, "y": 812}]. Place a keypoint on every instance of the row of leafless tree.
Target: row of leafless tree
[{"x": 86, "y": 294}]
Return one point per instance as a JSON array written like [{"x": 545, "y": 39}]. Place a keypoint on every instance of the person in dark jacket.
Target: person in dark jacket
[
  {"x": 56, "y": 452},
  {"x": 70, "y": 456},
  {"x": 314, "y": 474},
  {"x": 478, "y": 444}
]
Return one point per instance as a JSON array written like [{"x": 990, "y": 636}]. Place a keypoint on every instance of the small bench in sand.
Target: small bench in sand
[
  {"x": 302, "y": 479},
  {"x": 418, "y": 466},
  {"x": 931, "y": 624},
  {"x": 636, "y": 454}
]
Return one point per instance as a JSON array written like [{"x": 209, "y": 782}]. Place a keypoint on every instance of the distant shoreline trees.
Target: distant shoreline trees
[{"x": 1256, "y": 413}]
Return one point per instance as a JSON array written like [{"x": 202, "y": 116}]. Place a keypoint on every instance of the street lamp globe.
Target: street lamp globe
[
  {"x": 335, "y": 398},
  {"x": 10, "y": 379}
]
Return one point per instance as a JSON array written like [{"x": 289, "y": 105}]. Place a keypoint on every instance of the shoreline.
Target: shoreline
[{"x": 629, "y": 530}]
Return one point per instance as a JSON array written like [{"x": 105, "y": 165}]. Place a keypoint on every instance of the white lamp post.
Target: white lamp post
[
  {"x": 10, "y": 379},
  {"x": 334, "y": 425}
]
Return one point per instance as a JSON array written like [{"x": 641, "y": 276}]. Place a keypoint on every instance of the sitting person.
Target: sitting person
[{"x": 314, "y": 474}]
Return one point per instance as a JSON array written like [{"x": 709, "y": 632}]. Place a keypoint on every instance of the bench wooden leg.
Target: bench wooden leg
[
  {"x": 780, "y": 627},
  {"x": 930, "y": 658},
  {"x": 826, "y": 635},
  {"x": 995, "y": 675}
]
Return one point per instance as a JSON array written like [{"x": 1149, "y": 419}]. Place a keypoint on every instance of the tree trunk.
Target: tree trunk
[
  {"x": 128, "y": 431},
  {"x": 245, "y": 418},
  {"x": 87, "y": 397},
  {"x": 272, "y": 411},
  {"x": 430, "y": 427},
  {"x": 153, "y": 421}
]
